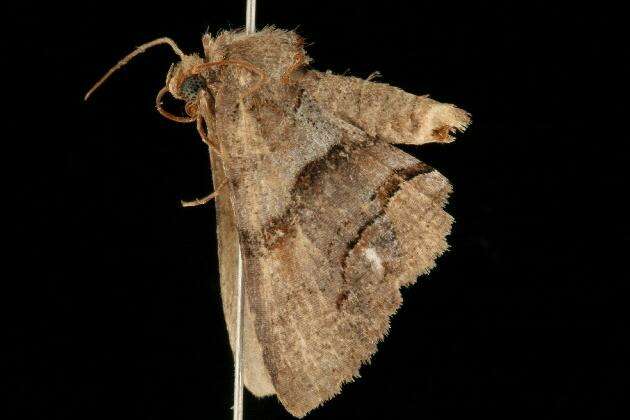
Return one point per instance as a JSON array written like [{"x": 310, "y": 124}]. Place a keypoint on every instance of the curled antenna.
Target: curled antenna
[{"x": 142, "y": 48}]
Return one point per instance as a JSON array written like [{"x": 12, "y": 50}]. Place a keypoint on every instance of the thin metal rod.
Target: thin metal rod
[
  {"x": 250, "y": 28},
  {"x": 250, "y": 17},
  {"x": 238, "y": 345}
]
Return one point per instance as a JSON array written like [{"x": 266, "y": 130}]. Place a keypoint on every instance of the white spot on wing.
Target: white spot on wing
[{"x": 377, "y": 264}]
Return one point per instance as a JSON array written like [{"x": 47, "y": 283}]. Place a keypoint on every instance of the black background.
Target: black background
[{"x": 122, "y": 313}]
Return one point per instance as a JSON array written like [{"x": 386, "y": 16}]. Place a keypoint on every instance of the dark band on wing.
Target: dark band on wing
[{"x": 393, "y": 182}]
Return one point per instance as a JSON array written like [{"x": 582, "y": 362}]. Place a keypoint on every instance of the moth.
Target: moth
[{"x": 331, "y": 217}]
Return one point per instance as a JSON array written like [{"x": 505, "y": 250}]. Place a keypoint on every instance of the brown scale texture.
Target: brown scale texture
[{"x": 332, "y": 218}]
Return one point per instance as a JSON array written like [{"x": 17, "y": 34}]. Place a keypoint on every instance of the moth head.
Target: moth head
[{"x": 184, "y": 80}]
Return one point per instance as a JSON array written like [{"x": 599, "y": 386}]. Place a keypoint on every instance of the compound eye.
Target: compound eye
[{"x": 191, "y": 86}]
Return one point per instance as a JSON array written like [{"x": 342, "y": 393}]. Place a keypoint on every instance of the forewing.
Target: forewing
[
  {"x": 386, "y": 111},
  {"x": 255, "y": 373}
]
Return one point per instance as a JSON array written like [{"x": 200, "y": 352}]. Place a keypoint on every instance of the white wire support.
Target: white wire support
[
  {"x": 250, "y": 17},
  {"x": 238, "y": 344},
  {"x": 250, "y": 28}
]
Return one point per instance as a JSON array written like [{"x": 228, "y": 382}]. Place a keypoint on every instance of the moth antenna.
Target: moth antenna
[{"x": 142, "y": 48}]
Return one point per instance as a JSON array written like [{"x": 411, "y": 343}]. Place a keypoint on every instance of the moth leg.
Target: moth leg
[
  {"x": 203, "y": 111},
  {"x": 385, "y": 111},
  {"x": 204, "y": 200},
  {"x": 204, "y": 136},
  {"x": 240, "y": 63},
  {"x": 300, "y": 59}
]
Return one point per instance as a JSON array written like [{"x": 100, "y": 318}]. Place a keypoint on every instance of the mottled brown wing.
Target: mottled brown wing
[
  {"x": 326, "y": 278},
  {"x": 274, "y": 51},
  {"x": 332, "y": 223},
  {"x": 385, "y": 111},
  {"x": 255, "y": 374}
]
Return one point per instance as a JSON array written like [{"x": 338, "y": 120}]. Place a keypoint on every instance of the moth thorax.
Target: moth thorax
[{"x": 190, "y": 87}]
